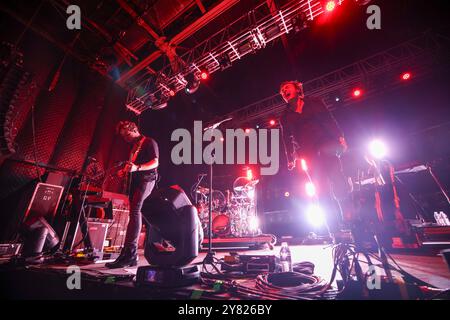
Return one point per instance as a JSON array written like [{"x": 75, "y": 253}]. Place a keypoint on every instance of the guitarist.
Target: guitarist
[
  {"x": 309, "y": 131},
  {"x": 141, "y": 169}
]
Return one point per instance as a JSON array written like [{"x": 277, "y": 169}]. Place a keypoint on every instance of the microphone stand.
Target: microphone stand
[{"x": 209, "y": 258}]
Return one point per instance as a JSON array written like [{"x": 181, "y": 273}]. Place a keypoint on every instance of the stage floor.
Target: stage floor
[{"x": 98, "y": 282}]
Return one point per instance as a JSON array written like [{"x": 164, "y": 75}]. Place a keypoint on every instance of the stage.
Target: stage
[{"x": 98, "y": 282}]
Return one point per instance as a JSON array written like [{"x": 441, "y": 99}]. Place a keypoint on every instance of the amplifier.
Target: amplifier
[
  {"x": 97, "y": 232},
  {"x": 117, "y": 230}
]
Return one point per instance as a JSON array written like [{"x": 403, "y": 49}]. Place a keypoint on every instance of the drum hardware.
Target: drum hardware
[{"x": 232, "y": 210}]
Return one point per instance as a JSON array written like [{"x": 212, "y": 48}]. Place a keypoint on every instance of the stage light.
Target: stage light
[
  {"x": 337, "y": 99},
  {"x": 253, "y": 224},
  {"x": 222, "y": 139},
  {"x": 310, "y": 189},
  {"x": 192, "y": 83},
  {"x": 287, "y": 194},
  {"x": 224, "y": 61},
  {"x": 173, "y": 238},
  {"x": 272, "y": 122},
  {"x": 378, "y": 149},
  {"x": 303, "y": 164},
  {"x": 272, "y": 32},
  {"x": 330, "y": 5},
  {"x": 171, "y": 93},
  {"x": 204, "y": 75},
  {"x": 247, "y": 130},
  {"x": 315, "y": 215},
  {"x": 159, "y": 106},
  {"x": 249, "y": 174},
  {"x": 251, "y": 193},
  {"x": 299, "y": 22},
  {"x": 406, "y": 76},
  {"x": 357, "y": 93}
]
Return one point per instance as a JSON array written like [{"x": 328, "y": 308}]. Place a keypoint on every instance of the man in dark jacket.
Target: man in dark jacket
[{"x": 310, "y": 132}]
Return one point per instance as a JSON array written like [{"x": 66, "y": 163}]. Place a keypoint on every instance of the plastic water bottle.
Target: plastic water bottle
[
  {"x": 444, "y": 219},
  {"x": 285, "y": 258},
  {"x": 437, "y": 217}
]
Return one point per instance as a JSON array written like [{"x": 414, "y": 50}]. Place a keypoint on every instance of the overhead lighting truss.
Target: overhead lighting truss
[
  {"x": 422, "y": 53},
  {"x": 251, "y": 32}
]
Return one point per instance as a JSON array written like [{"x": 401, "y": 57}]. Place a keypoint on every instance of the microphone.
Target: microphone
[{"x": 215, "y": 125}]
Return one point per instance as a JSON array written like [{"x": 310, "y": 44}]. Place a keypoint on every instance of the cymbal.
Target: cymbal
[{"x": 202, "y": 190}]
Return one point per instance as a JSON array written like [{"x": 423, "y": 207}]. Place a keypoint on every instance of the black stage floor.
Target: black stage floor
[{"x": 98, "y": 282}]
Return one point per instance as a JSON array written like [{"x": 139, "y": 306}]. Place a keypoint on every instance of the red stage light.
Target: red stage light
[
  {"x": 249, "y": 174},
  {"x": 406, "y": 76},
  {"x": 171, "y": 93},
  {"x": 330, "y": 5},
  {"x": 204, "y": 75},
  {"x": 272, "y": 122},
  {"x": 247, "y": 130},
  {"x": 357, "y": 93}
]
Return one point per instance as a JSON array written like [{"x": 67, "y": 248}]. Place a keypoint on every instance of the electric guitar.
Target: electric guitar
[{"x": 125, "y": 171}]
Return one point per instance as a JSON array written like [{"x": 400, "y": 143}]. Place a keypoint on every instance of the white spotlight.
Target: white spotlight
[
  {"x": 315, "y": 215},
  {"x": 378, "y": 149},
  {"x": 253, "y": 223},
  {"x": 310, "y": 189}
]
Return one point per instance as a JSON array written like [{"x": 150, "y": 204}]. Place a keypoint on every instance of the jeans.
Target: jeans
[{"x": 140, "y": 191}]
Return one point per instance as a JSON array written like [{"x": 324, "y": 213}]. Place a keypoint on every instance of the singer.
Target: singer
[
  {"x": 142, "y": 170},
  {"x": 309, "y": 131}
]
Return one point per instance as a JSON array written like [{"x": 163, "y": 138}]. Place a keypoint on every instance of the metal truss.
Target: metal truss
[
  {"x": 375, "y": 74},
  {"x": 248, "y": 34}
]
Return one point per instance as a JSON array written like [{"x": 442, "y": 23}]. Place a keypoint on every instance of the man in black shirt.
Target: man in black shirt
[
  {"x": 142, "y": 172},
  {"x": 310, "y": 132}
]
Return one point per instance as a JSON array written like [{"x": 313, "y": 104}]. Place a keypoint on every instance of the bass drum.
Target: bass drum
[{"x": 221, "y": 225}]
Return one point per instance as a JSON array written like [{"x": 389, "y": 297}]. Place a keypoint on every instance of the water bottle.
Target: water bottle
[
  {"x": 437, "y": 217},
  {"x": 444, "y": 218},
  {"x": 285, "y": 258}
]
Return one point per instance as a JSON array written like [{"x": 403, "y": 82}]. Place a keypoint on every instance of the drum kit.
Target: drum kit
[{"x": 233, "y": 213}]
